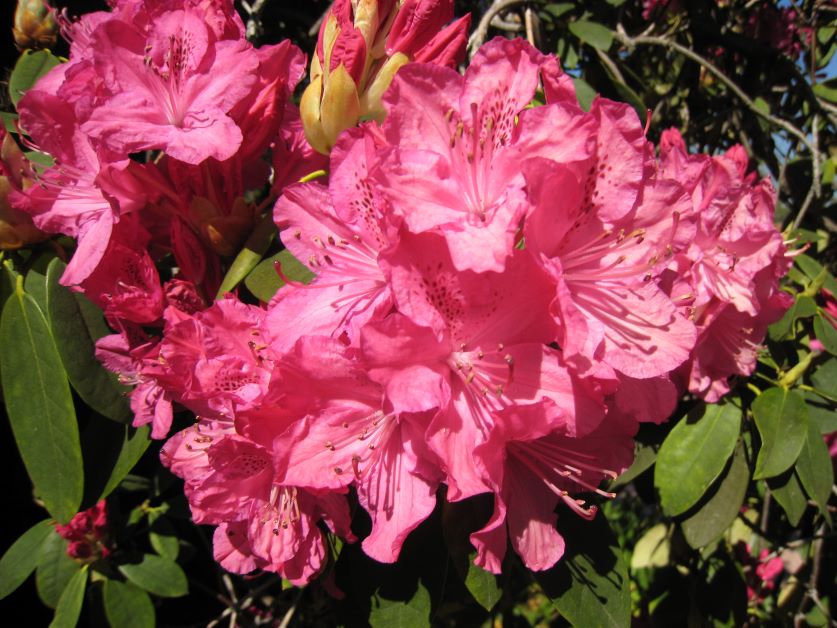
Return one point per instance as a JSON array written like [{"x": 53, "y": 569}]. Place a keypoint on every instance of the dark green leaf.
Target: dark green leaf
[
  {"x": 136, "y": 442},
  {"x": 69, "y": 605},
  {"x": 21, "y": 558},
  {"x": 414, "y": 613},
  {"x": 264, "y": 281},
  {"x": 40, "y": 406},
  {"x": 55, "y": 568},
  {"x": 782, "y": 420},
  {"x": 694, "y": 454},
  {"x": 589, "y": 586},
  {"x": 34, "y": 284},
  {"x": 483, "y": 586},
  {"x": 592, "y": 33},
  {"x": 252, "y": 253},
  {"x": 560, "y": 8},
  {"x": 163, "y": 536},
  {"x": 821, "y": 413},
  {"x": 644, "y": 457},
  {"x": 814, "y": 468},
  {"x": 584, "y": 93},
  {"x": 126, "y": 606},
  {"x": 789, "y": 494},
  {"x": 157, "y": 575},
  {"x": 812, "y": 269},
  {"x": 826, "y": 334},
  {"x": 721, "y": 508},
  {"x": 95, "y": 385},
  {"x": 803, "y": 307},
  {"x": 825, "y": 378},
  {"x": 9, "y": 121},
  {"x": 29, "y": 68}
]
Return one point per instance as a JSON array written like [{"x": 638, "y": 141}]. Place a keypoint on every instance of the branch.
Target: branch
[
  {"x": 254, "y": 17},
  {"x": 480, "y": 33}
]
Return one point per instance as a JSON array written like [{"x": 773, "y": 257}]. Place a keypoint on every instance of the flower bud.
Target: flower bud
[
  {"x": 362, "y": 44},
  {"x": 16, "y": 227},
  {"x": 35, "y": 26}
]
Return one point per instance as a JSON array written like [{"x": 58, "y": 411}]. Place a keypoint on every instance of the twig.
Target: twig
[
  {"x": 531, "y": 20},
  {"x": 254, "y": 17},
  {"x": 480, "y": 33},
  {"x": 631, "y": 42},
  {"x": 286, "y": 620},
  {"x": 814, "y": 191}
]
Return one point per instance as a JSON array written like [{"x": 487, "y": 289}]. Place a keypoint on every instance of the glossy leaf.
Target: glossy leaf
[
  {"x": 31, "y": 66},
  {"x": 644, "y": 457},
  {"x": 40, "y": 406},
  {"x": 592, "y": 33},
  {"x": 803, "y": 307},
  {"x": 782, "y": 421},
  {"x": 163, "y": 536},
  {"x": 814, "y": 468},
  {"x": 821, "y": 412},
  {"x": 825, "y": 378},
  {"x": 589, "y": 586},
  {"x": 69, "y": 605},
  {"x": 127, "y": 606},
  {"x": 76, "y": 344},
  {"x": 721, "y": 508},
  {"x": 653, "y": 548},
  {"x": 826, "y": 334},
  {"x": 250, "y": 255},
  {"x": 414, "y": 613},
  {"x": 694, "y": 454},
  {"x": 21, "y": 558},
  {"x": 788, "y": 492},
  {"x": 157, "y": 575},
  {"x": 55, "y": 568},
  {"x": 482, "y": 585},
  {"x": 584, "y": 92},
  {"x": 264, "y": 281}
]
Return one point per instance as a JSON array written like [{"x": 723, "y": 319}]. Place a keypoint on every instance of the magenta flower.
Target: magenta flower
[{"x": 171, "y": 87}]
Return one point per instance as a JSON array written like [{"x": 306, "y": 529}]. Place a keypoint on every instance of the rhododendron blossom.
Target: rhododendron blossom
[{"x": 503, "y": 290}]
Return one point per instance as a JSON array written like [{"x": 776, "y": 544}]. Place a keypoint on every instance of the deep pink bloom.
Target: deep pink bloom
[
  {"x": 171, "y": 87},
  {"x": 263, "y": 524},
  {"x": 533, "y": 469},
  {"x": 87, "y": 534}
]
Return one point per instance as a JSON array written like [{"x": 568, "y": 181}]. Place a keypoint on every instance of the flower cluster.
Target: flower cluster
[
  {"x": 86, "y": 534},
  {"x": 502, "y": 292}
]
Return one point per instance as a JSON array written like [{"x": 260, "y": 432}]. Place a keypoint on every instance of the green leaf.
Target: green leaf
[
  {"x": 157, "y": 575},
  {"x": 483, "y": 586},
  {"x": 126, "y": 606},
  {"x": 414, "y": 613},
  {"x": 55, "y": 568},
  {"x": 136, "y": 442},
  {"x": 252, "y": 253},
  {"x": 789, "y": 494},
  {"x": 21, "y": 558},
  {"x": 711, "y": 520},
  {"x": 694, "y": 454},
  {"x": 803, "y": 307},
  {"x": 782, "y": 420},
  {"x": 163, "y": 536},
  {"x": 559, "y": 9},
  {"x": 814, "y": 468},
  {"x": 76, "y": 344},
  {"x": 29, "y": 68},
  {"x": 653, "y": 548},
  {"x": 34, "y": 284},
  {"x": 69, "y": 605},
  {"x": 584, "y": 93},
  {"x": 644, "y": 457},
  {"x": 812, "y": 269},
  {"x": 825, "y": 378},
  {"x": 821, "y": 413},
  {"x": 825, "y": 333},
  {"x": 264, "y": 281},
  {"x": 589, "y": 586},
  {"x": 9, "y": 121},
  {"x": 40, "y": 406},
  {"x": 592, "y": 33}
]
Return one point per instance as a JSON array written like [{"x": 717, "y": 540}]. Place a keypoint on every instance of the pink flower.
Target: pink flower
[
  {"x": 171, "y": 87},
  {"x": 263, "y": 524},
  {"x": 86, "y": 534},
  {"x": 457, "y": 148},
  {"x": 532, "y": 470}
]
